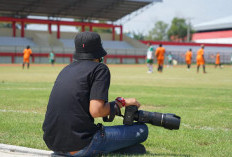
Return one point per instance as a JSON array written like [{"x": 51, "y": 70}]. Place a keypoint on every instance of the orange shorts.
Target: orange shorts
[
  {"x": 200, "y": 62},
  {"x": 160, "y": 62},
  {"x": 217, "y": 62},
  {"x": 188, "y": 61},
  {"x": 26, "y": 60}
]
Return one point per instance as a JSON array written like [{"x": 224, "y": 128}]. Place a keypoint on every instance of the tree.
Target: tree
[
  {"x": 102, "y": 30},
  {"x": 159, "y": 32},
  {"x": 137, "y": 36},
  {"x": 178, "y": 29}
]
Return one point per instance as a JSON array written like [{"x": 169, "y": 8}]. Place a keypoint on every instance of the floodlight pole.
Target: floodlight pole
[
  {"x": 188, "y": 29},
  {"x": 188, "y": 33}
]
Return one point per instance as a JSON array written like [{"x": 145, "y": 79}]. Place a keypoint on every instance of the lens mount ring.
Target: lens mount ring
[{"x": 162, "y": 119}]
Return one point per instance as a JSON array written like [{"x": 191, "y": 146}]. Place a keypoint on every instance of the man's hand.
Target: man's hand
[
  {"x": 129, "y": 102},
  {"x": 132, "y": 101},
  {"x": 98, "y": 108}
]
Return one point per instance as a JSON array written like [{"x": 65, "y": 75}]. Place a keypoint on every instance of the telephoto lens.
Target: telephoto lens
[{"x": 166, "y": 120}]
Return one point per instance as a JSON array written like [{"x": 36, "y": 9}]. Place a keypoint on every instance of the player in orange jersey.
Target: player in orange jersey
[
  {"x": 217, "y": 62},
  {"x": 201, "y": 59},
  {"x": 160, "y": 52},
  {"x": 188, "y": 58},
  {"x": 26, "y": 56}
]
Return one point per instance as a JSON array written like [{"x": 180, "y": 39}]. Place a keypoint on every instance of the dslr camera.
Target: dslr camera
[{"x": 166, "y": 120}]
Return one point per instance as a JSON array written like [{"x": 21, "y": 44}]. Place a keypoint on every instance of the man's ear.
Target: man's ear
[
  {"x": 96, "y": 60},
  {"x": 101, "y": 60}
]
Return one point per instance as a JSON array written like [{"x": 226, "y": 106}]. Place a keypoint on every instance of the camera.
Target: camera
[{"x": 166, "y": 120}]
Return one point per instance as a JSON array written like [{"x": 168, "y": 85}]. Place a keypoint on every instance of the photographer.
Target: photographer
[{"x": 79, "y": 95}]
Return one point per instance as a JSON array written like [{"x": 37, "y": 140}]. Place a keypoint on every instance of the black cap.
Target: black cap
[{"x": 88, "y": 46}]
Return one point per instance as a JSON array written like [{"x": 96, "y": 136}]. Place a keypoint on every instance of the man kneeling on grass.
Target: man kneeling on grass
[{"x": 79, "y": 95}]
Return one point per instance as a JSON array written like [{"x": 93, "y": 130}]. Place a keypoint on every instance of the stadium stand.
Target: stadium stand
[
  {"x": 41, "y": 42},
  {"x": 116, "y": 44},
  {"x": 68, "y": 42},
  {"x": 121, "y": 49},
  {"x": 106, "y": 44},
  {"x": 15, "y": 41}
]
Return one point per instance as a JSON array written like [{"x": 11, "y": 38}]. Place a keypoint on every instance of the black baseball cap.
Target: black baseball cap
[{"x": 88, "y": 45}]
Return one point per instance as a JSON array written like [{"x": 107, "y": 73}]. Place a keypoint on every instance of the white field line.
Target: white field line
[
  {"x": 15, "y": 111},
  {"x": 19, "y": 151},
  {"x": 204, "y": 127},
  {"x": 24, "y": 88}
]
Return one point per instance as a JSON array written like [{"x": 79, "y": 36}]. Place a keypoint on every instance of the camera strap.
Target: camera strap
[
  {"x": 114, "y": 110},
  {"x": 117, "y": 110},
  {"x": 101, "y": 128}
]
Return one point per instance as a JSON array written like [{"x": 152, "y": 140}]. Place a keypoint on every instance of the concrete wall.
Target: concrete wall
[{"x": 7, "y": 32}]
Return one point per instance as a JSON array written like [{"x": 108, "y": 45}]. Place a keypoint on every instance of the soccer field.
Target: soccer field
[{"x": 204, "y": 102}]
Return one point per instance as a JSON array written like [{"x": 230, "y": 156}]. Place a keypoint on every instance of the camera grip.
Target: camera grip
[{"x": 129, "y": 115}]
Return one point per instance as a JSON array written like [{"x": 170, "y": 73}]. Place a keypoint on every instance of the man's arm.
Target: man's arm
[
  {"x": 98, "y": 108},
  {"x": 156, "y": 53}
]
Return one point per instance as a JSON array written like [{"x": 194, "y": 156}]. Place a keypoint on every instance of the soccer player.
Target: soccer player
[
  {"x": 26, "y": 56},
  {"x": 188, "y": 58},
  {"x": 52, "y": 58},
  {"x": 217, "y": 62},
  {"x": 231, "y": 60},
  {"x": 150, "y": 58},
  {"x": 170, "y": 59},
  {"x": 201, "y": 59},
  {"x": 160, "y": 52}
]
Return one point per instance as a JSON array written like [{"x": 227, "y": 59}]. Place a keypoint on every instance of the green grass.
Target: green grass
[{"x": 204, "y": 102}]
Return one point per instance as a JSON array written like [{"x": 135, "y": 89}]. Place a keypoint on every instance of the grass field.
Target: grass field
[{"x": 204, "y": 102}]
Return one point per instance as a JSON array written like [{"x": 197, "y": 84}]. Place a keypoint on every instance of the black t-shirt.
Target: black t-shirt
[{"x": 68, "y": 125}]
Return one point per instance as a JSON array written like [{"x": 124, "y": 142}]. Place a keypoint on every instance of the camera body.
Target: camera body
[{"x": 166, "y": 120}]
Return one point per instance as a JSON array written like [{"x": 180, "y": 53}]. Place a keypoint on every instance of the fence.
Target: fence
[
  {"x": 13, "y": 54},
  {"x": 10, "y": 57},
  {"x": 210, "y": 57}
]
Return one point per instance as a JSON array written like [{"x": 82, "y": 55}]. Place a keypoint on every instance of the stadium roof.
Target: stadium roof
[
  {"x": 110, "y": 10},
  {"x": 218, "y": 24}
]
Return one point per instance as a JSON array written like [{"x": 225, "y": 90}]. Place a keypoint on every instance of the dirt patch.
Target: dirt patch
[{"x": 203, "y": 143}]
